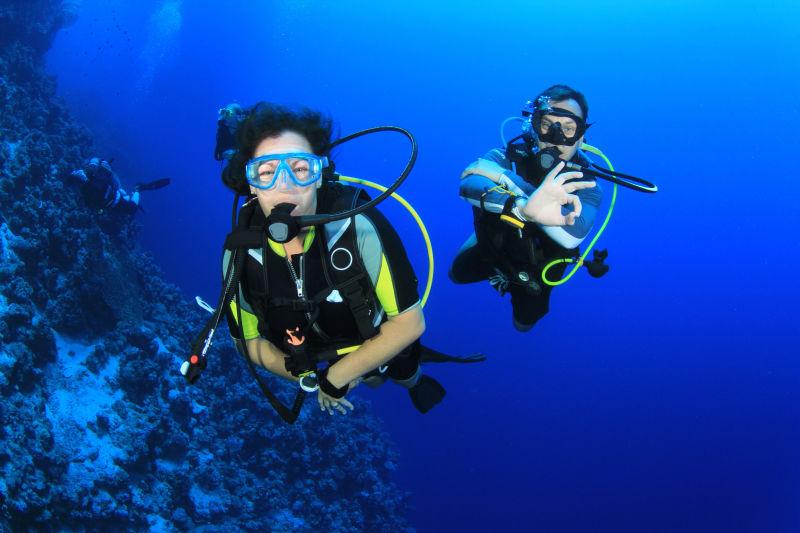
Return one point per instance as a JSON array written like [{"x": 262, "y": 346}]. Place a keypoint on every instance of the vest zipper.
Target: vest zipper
[{"x": 298, "y": 282}]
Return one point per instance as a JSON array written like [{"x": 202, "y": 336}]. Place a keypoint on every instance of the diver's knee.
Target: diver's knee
[
  {"x": 402, "y": 367},
  {"x": 452, "y": 276},
  {"x": 455, "y": 278},
  {"x": 527, "y": 323},
  {"x": 523, "y": 328},
  {"x": 410, "y": 381}
]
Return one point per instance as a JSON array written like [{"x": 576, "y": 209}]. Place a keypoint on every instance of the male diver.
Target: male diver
[
  {"x": 101, "y": 188},
  {"x": 517, "y": 233}
]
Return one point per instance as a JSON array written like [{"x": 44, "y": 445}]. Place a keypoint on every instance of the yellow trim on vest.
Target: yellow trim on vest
[
  {"x": 513, "y": 221},
  {"x": 384, "y": 289},
  {"x": 249, "y": 323},
  {"x": 347, "y": 350},
  {"x": 416, "y": 216},
  {"x": 278, "y": 247},
  {"x": 501, "y": 189}
]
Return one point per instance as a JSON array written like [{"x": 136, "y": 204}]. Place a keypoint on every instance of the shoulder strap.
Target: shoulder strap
[
  {"x": 345, "y": 270},
  {"x": 249, "y": 230},
  {"x": 248, "y": 235}
]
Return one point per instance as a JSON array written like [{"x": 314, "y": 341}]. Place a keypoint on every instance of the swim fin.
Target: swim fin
[
  {"x": 426, "y": 393},
  {"x": 429, "y": 355},
  {"x": 153, "y": 185}
]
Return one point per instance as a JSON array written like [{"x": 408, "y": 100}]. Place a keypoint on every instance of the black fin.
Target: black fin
[
  {"x": 429, "y": 355},
  {"x": 426, "y": 393},
  {"x": 153, "y": 185}
]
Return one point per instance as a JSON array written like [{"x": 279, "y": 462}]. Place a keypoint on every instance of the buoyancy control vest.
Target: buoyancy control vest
[
  {"x": 520, "y": 253},
  {"x": 326, "y": 291}
]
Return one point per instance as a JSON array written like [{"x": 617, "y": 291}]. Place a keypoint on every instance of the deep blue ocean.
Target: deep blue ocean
[{"x": 662, "y": 397}]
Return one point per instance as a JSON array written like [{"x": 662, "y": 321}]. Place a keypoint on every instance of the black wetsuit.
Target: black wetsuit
[
  {"x": 391, "y": 278},
  {"x": 101, "y": 189}
]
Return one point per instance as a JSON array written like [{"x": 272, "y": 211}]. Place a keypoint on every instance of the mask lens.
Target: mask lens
[
  {"x": 294, "y": 169},
  {"x": 552, "y": 123},
  {"x": 305, "y": 170},
  {"x": 265, "y": 172}
]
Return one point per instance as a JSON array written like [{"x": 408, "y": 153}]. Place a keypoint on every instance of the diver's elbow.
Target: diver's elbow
[
  {"x": 418, "y": 326},
  {"x": 421, "y": 326},
  {"x": 571, "y": 244}
]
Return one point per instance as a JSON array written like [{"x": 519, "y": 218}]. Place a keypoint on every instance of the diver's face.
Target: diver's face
[
  {"x": 285, "y": 190},
  {"x": 567, "y": 124}
]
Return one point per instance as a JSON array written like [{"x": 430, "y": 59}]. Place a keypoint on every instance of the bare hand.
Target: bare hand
[
  {"x": 544, "y": 206},
  {"x": 329, "y": 403},
  {"x": 485, "y": 168}
]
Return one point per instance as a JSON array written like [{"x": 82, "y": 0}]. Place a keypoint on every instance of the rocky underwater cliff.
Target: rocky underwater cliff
[{"x": 98, "y": 430}]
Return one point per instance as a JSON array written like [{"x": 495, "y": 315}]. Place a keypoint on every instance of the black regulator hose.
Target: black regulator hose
[
  {"x": 283, "y": 227},
  {"x": 549, "y": 158}
]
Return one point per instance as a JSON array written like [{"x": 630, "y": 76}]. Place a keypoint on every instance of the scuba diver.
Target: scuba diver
[
  {"x": 510, "y": 244},
  {"x": 101, "y": 189},
  {"x": 228, "y": 119},
  {"x": 534, "y": 202},
  {"x": 338, "y": 291}
]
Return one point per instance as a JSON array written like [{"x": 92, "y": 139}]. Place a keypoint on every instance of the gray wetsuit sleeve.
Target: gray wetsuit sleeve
[
  {"x": 498, "y": 156},
  {"x": 369, "y": 245},
  {"x": 387, "y": 263},
  {"x": 474, "y": 188},
  {"x": 485, "y": 194}
]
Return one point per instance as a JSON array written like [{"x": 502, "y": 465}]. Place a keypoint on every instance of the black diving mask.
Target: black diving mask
[{"x": 554, "y": 125}]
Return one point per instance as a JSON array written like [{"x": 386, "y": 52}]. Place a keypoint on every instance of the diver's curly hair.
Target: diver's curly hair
[{"x": 266, "y": 120}]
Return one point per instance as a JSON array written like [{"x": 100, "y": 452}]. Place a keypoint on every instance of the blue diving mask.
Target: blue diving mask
[{"x": 297, "y": 168}]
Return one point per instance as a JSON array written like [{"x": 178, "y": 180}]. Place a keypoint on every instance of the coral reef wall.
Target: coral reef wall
[{"x": 97, "y": 429}]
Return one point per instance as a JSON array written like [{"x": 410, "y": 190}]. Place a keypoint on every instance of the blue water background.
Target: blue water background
[{"x": 663, "y": 397}]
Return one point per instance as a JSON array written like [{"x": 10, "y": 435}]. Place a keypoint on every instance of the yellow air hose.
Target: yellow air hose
[
  {"x": 579, "y": 262},
  {"x": 416, "y": 216}
]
